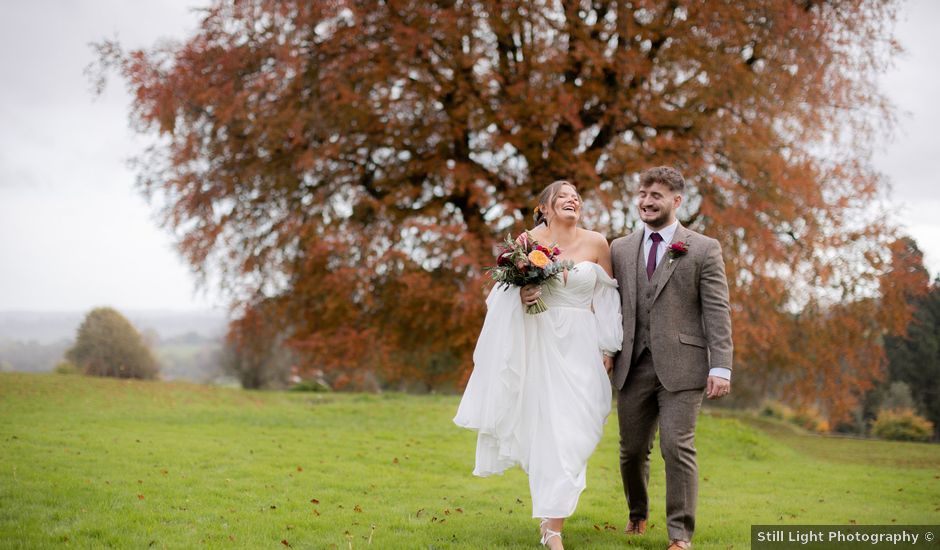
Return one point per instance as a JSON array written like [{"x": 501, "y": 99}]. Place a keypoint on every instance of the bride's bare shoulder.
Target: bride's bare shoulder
[{"x": 538, "y": 232}]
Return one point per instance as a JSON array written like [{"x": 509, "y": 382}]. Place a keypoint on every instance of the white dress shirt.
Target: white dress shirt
[{"x": 667, "y": 233}]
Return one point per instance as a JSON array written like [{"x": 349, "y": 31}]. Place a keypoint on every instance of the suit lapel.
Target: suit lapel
[
  {"x": 634, "y": 245},
  {"x": 681, "y": 234}
]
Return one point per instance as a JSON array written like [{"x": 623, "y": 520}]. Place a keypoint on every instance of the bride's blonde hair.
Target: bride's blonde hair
[{"x": 547, "y": 197}]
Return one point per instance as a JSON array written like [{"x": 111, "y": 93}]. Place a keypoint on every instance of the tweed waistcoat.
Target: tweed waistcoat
[{"x": 645, "y": 289}]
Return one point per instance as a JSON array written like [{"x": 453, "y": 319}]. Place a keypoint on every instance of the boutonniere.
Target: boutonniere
[{"x": 677, "y": 250}]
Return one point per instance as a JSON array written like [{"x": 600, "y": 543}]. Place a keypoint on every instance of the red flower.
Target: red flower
[{"x": 677, "y": 249}]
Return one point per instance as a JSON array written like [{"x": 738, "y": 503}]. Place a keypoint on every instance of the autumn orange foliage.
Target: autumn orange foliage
[{"x": 355, "y": 163}]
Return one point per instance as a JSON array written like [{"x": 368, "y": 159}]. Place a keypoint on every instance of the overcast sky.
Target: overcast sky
[{"x": 75, "y": 233}]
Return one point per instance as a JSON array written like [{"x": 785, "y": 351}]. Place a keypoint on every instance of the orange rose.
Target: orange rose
[{"x": 538, "y": 258}]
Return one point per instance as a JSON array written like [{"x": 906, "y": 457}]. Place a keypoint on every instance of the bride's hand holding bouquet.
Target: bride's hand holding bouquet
[{"x": 523, "y": 261}]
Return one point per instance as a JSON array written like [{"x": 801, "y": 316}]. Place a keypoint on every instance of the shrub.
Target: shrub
[
  {"x": 809, "y": 418},
  {"x": 776, "y": 409},
  {"x": 902, "y": 425},
  {"x": 66, "y": 367}
]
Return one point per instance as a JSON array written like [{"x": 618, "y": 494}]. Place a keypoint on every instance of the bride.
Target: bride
[{"x": 539, "y": 392}]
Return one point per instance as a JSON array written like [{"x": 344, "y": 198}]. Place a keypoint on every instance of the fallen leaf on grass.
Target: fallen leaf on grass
[
  {"x": 314, "y": 501},
  {"x": 299, "y": 469},
  {"x": 140, "y": 497},
  {"x": 285, "y": 543},
  {"x": 357, "y": 509}
]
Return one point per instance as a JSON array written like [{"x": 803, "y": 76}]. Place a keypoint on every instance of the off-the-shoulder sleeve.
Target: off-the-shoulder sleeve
[
  {"x": 493, "y": 396},
  {"x": 607, "y": 313}
]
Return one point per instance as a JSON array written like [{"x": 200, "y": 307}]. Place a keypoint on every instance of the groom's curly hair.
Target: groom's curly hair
[{"x": 666, "y": 175}]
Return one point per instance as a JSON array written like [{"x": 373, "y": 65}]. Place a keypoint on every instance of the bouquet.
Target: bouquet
[{"x": 524, "y": 261}]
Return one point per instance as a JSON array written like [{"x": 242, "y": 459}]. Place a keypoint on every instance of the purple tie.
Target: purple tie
[{"x": 651, "y": 261}]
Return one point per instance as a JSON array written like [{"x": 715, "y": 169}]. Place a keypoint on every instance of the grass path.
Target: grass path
[{"x": 105, "y": 463}]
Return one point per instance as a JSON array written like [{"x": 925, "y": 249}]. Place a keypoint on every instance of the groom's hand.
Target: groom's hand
[
  {"x": 717, "y": 387},
  {"x": 608, "y": 364}
]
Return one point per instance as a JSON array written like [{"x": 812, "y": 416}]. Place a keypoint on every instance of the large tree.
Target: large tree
[{"x": 353, "y": 162}]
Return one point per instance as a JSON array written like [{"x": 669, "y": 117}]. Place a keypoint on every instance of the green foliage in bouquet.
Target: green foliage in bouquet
[{"x": 523, "y": 261}]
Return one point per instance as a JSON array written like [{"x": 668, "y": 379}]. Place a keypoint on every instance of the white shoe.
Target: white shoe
[{"x": 548, "y": 534}]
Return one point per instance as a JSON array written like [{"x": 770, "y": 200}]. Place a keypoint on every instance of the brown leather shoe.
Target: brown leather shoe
[
  {"x": 637, "y": 527},
  {"x": 679, "y": 545}
]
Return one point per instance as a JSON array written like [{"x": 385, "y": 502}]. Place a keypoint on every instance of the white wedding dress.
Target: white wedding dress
[{"x": 539, "y": 394}]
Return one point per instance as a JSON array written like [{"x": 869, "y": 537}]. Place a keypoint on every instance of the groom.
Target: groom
[{"x": 676, "y": 346}]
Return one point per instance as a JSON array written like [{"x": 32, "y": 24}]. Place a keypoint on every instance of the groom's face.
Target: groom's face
[{"x": 657, "y": 204}]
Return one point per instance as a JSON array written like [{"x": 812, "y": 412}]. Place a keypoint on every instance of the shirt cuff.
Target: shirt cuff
[{"x": 720, "y": 372}]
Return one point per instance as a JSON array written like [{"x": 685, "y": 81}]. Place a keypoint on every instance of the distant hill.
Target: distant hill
[{"x": 48, "y": 327}]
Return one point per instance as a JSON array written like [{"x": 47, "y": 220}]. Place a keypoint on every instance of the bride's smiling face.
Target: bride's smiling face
[{"x": 566, "y": 205}]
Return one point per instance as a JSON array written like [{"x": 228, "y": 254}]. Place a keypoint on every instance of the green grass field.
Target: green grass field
[{"x": 104, "y": 463}]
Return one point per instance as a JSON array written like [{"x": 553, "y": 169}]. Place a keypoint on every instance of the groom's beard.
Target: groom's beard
[{"x": 658, "y": 220}]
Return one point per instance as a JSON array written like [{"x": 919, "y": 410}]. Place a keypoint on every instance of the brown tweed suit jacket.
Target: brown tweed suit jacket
[{"x": 690, "y": 319}]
